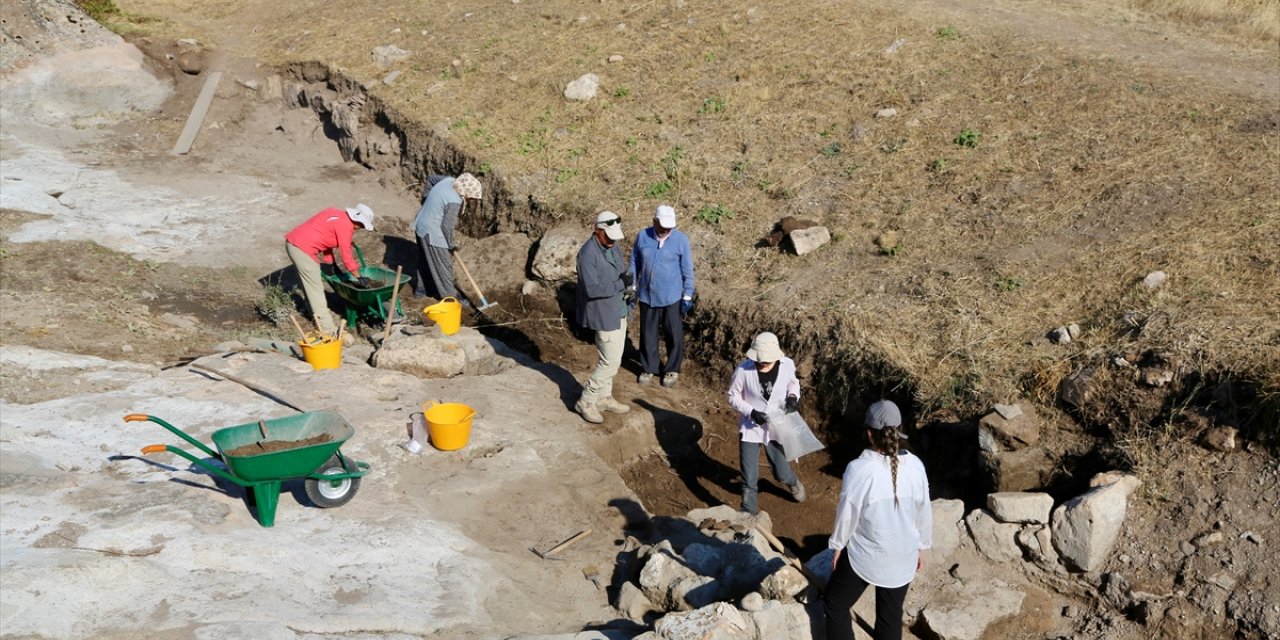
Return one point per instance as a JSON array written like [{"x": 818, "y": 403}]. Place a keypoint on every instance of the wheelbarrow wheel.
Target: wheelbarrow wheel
[{"x": 327, "y": 494}]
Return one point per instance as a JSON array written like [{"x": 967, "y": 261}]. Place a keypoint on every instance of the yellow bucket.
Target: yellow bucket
[
  {"x": 322, "y": 354},
  {"x": 448, "y": 424},
  {"x": 447, "y": 313}
]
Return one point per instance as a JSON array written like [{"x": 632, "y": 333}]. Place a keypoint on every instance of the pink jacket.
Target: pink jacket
[{"x": 322, "y": 233}]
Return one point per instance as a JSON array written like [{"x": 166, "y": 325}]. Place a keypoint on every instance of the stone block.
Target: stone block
[
  {"x": 964, "y": 611},
  {"x": 1085, "y": 528},
  {"x": 632, "y": 603},
  {"x": 659, "y": 580},
  {"x": 784, "y": 584},
  {"x": 719, "y": 621},
  {"x": 1020, "y": 507},
  {"x": 425, "y": 355},
  {"x": 1023, "y": 470},
  {"x": 995, "y": 540},
  {"x": 999, "y": 433},
  {"x": 556, "y": 258},
  {"x": 947, "y": 515},
  {"x": 809, "y": 240},
  {"x": 781, "y": 621}
]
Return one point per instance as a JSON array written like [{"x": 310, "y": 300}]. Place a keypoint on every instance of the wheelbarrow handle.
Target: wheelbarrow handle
[
  {"x": 154, "y": 448},
  {"x": 160, "y": 448},
  {"x": 142, "y": 417}
]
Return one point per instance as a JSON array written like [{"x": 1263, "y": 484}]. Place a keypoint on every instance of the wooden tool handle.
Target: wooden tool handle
[
  {"x": 391, "y": 311},
  {"x": 564, "y": 545},
  {"x": 468, "y": 274}
]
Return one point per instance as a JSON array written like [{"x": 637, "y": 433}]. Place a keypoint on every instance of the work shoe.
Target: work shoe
[
  {"x": 589, "y": 412},
  {"x": 797, "y": 491},
  {"x": 609, "y": 404},
  {"x": 644, "y": 378},
  {"x": 670, "y": 379}
]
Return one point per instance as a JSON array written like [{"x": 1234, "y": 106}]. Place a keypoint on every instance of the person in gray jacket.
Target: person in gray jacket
[
  {"x": 441, "y": 204},
  {"x": 605, "y": 289}
]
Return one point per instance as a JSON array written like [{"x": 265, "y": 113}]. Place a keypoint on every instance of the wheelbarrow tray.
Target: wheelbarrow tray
[
  {"x": 288, "y": 463},
  {"x": 373, "y": 297}
]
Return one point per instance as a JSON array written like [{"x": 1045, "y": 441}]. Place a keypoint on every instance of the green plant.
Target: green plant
[
  {"x": 671, "y": 162},
  {"x": 894, "y": 146},
  {"x": 711, "y": 105},
  {"x": 947, "y": 33},
  {"x": 713, "y": 214},
  {"x": 832, "y": 150},
  {"x": 709, "y": 56},
  {"x": 485, "y": 168},
  {"x": 658, "y": 189},
  {"x": 531, "y": 141},
  {"x": 565, "y": 175},
  {"x": 738, "y": 170},
  {"x": 1008, "y": 283},
  {"x": 621, "y": 92},
  {"x": 892, "y": 251},
  {"x": 631, "y": 142},
  {"x": 850, "y": 169},
  {"x": 939, "y": 165},
  {"x": 460, "y": 123},
  {"x": 828, "y": 131},
  {"x": 968, "y": 138},
  {"x": 276, "y": 304}
]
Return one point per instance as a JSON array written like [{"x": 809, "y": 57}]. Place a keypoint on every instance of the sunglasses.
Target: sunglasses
[{"x": 609, "y": 223}]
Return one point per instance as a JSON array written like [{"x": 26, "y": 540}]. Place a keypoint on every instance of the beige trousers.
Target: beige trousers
[
  {"x": 609, "y": 346},
  {"x": 312, "y": 287}
]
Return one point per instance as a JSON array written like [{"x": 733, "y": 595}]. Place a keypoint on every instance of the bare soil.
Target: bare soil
[{"x": 271, "y": 446}]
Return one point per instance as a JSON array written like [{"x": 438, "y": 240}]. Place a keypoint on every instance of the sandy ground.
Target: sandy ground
[{"x": 435, "y": 545}]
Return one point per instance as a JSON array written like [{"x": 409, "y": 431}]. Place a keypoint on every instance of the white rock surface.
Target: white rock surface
[
  {"x": 810, "y": 239},
  {"x": 719, "y": 621},
  {"x": 947, "y": 527},
  {"x": 1085, "y": 528},
  {"x": 1020, "y": 507},
  {"x": 556, "y": 257},
  {"x": 584, "y": 88},
  {"x": 1154, "y": 279},
  {"x": 387, "y": 55},
  {"x": 964, "y": 611},
  {"x": 995, "y": 540},
  {"x": 82, "y": 88},
  {"x": 660, "y": 578},
  {"x": 781, "y": 621}
]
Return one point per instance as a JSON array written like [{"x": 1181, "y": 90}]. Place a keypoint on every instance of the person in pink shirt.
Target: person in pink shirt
[{"x": 319, "y": 240}]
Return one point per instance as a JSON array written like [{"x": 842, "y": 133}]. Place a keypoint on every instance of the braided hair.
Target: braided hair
[{"x": 887, "y": 442}]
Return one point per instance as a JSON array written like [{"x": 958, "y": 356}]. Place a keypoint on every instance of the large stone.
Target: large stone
[
  {"x": 389, "y": 54},
  {"x": 660, "y": 578},
  {"x": 809, "y": 240},
  {"x": 1036, "y": 542},
  {"x": 704, "y": 559},
  {"x": 719, "y": 621},
  {"x": 999, "y": 433},
  {"x": 427, "y": 355},
  {"x": 1023, "y": 470},
  {"x": 1020, "y": 507},
  {"x": 632, "y": 602},
  {"x": 497, "y": 262},
  {"x": 556, "y": 257},
  {"x": 964, "y": 611},
  {"x": 995, "y": 540},
  {"x": 1085, "y": 528},
  {"x": 781, "y": 621},
  {"x": 784, "y": 584},
  {"x": 696, "y": 592},
  {"x": 947, "y": 515},
  {"x": 584, "y": 88},
  {"x": 820, "y": 567}
]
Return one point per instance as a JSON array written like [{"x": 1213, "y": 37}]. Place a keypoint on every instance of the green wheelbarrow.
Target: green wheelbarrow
[
  {"x": 371, "y": 302},
  {"x": 259, "y": 456}
]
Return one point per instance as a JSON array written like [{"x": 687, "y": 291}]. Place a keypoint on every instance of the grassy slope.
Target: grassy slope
[{"x": 1088, "y": 173}]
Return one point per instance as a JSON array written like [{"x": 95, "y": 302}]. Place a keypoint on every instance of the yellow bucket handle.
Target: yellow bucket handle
[{"x": 431, "y": 403}]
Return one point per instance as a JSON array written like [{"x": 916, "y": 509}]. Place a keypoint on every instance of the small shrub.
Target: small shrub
[
  {"x": 832, "y": 150},
  {"x": 658, "y": 189},
  {"x": 565, "y": 175},
  {"x": 948, "y": 33},
  {"x": 531, "y": 141},
  {"x": 671, "y": 162},
  {"x": 968, "y": 138},
  {"x": 276, "y": 304},
  {"x": 739, "y": 170},
  {"x": 621, "y": 92},
  {"x": 631, "y": 142},
  {"x": 1009, "y": 283},
  {"x": 892, "y": 251},
  {"x": 713, "y": 215},
  {"x": 711, "y": 105},
  {"x": 850, "y": 170},
  {"x": 939, "y": 165}
]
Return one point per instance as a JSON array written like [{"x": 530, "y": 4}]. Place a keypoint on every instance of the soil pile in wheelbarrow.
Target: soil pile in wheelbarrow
[{"x": 268, "y": 446}]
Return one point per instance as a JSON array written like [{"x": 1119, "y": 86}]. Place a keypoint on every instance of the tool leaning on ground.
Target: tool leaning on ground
[
  {"x": 484, "y": 304},
  {"x": 549, "y": 554}
]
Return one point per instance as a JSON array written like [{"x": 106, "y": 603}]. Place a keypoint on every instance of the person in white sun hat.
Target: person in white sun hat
[
  {"x": 602, "y": 297},
  {"x": 442, "y": 203},
  {"x": 765, "y": 380},
  {"x": 315, "y": 242},
  {"x": 663, "y": 264},
  {"x": 884, "y": 523}
]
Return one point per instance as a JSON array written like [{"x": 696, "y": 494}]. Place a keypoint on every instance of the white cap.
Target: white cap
[
  {"x": 666, "y": 216},
  {"x": 363, "y": 214},
  {"x": 611, "y": 223}
]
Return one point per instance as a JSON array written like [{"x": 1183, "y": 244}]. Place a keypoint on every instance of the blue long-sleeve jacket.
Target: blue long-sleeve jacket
[{"x": 664, "y": 273}]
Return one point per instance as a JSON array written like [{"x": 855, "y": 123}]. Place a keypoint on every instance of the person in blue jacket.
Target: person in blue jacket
[{"x": 663, "y": 265}]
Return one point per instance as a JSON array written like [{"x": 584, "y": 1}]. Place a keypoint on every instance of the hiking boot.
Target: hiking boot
[
  {"x": 611, "y": 405},
  {"x": 589, "y": 412},
  {"x": 670, "y": 379},
  {"x": 797, "y": 491},
  {"x": 644, "y": 378}
]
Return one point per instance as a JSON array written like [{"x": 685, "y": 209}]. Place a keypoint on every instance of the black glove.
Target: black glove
[
  {"x": 452, "y": 249},
  {"x": 364, "y": 283},
  {"x": 629, "y": 296},
  {"x": 628, "y": 279},
  {"x": 793, "y": 404},
  {"x": 758, "y": 417}
]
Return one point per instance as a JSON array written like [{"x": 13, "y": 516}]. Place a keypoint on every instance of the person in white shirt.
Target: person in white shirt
[
  {"x": 765, "y": 381},
  {"x": 884, "y": 522}
]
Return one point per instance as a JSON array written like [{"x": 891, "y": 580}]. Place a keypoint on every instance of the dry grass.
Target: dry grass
[
  {"x": 1257, "y": 19},
  {"x": 1086, "y": 174}
]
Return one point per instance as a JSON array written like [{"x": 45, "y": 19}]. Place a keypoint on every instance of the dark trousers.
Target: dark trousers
[
  {"x": 749, "y": 460},
  {"x": 667, "y": 321},
  {"x": 845, "y": 588}
]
